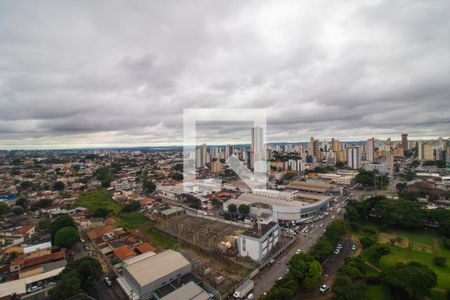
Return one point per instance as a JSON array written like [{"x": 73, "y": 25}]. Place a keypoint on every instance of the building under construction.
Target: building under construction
[{"x": 202, "y": 233}]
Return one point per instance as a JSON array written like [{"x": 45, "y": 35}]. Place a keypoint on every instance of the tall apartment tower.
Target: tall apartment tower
[
  {"x": 314, "y": 148},
  {"x": 201, "y": 156},
  {"x": 354, "y": 157},
  {"x": 257, "y": 151},
  {"x": 335, "y": 145},
  {"x": 405, "y": 141},
  {"x": 370, "y": 148}
]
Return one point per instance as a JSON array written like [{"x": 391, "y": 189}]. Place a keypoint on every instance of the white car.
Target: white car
[
  {"x": 336, "y": 251},
  {"x": 250, "y": 296},
  {"x": 324, "y": 288}
]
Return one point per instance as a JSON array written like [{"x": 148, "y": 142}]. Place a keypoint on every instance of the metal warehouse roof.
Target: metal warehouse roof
[{"x": 157, "y": 266}]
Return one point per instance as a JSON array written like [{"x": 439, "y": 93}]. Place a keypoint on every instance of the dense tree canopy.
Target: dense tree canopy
[
  {"x": 66, "y": 237},
  {"x": 409, "y": 281},
  {"x": 244, "y": 209},
  {"x": 77, "y": 277},
  {"x": 60, "y": 222},
  {"x": 305, "y": 269}
]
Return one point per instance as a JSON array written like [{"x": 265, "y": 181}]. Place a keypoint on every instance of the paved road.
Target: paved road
[
  {"x": 109, "y": 293},
  {"x": 268, "y": 276}
]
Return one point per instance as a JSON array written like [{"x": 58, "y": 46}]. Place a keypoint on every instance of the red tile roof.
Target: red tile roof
[
  {"x": 99, "y": 232},
  {"x": 26, "y": 263},
  {"x": 145, "y": 247},
  {"x": 123, "y": 252},
  {"x": 25, "y": 228}
]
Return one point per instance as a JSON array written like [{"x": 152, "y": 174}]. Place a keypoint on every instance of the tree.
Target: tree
[
  {"x": 78, "y": 277},
  {"x": 101, "y": 212},
  {"x": 41, "y": 204},
  {"x": 244, "y": 209},
  {"x": 22, "y": 202},
  {"x": 132, "y": 206},
  {"x": 232, "y": 208},
  {"x": 347, "y": 289},
  {"x": 68, "y": 285},
  {"x": 60, "y": 222},
  {"x": 4, "y": 209},
  {"x": 305, "y": 269},
  {"x": 149, "y": 186},
  {"x": 336, "y": 231},
  {"x": 58, "y": 186},
  {"x": 411, "y": 280},
  {"x": 66, "y": 237},
  {"x": 90, "y": 271},
  {"x": 440, "y": 261},
  {"x": 176, "y": 176},
  {"x": 321, "y": 250},
  {"x": 18, "y": 210},
  {"x": 444, "y": 227}
]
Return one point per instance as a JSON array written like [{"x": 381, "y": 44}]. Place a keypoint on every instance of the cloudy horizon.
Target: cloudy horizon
[{"x": 110, "y": 73}]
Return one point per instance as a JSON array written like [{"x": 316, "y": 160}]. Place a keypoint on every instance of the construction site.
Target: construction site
[
  {"x": 210, "y": 236},
  {"x": 211, "y": 247}
]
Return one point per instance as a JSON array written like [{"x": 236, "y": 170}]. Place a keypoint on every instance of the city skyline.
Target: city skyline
[{"x": 353, "y": 71}]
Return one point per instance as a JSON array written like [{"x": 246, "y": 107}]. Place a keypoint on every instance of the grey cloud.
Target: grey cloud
[{"x": 106, "y": 72}]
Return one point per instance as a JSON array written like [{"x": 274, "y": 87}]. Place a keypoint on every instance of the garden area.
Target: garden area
[{"x": 403, "y": 256}]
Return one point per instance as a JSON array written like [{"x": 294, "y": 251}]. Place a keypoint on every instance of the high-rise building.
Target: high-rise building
[
  {"x": 370, "y": 149},
  {"x": 389, "y": 141},
  {"x": 216, "y": 166},
  {"x": 257, "y": 150},
  {"x": 201, "y": 157},
  {"x": 314, "y": 149},
  {"x": 390, "y": 161},
  {"x": 405, "y": 141},
  {"x": 335, "y": 145},
  {"x": 354, "y": 157},
  {"x": 426, "y": 151}
]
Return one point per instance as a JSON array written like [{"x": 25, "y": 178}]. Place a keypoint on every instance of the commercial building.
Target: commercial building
[
  {"x": 190, "y": 290},
  {"x": 146, "y": 275},
  {"x": 257, "y": 242},
  {"x": 305, "y": 206}
]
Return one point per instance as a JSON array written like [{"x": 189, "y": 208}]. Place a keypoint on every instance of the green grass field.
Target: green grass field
[
  {"x": 102, "y": 199},
  {"x": 424, "y": 245},
  {"x": 163, "y": 241},
  {"x": 131, "y": 220},
  {"x": 97, "y": 199}
]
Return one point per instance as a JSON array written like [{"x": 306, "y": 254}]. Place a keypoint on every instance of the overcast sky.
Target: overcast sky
[{"x": 120, "y": 73}]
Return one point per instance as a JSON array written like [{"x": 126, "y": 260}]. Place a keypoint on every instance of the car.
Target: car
[
  {"x": 336, "y": 251},
  {"x": 339, "y": 246},
  {"x": 324, "y": 288},
  {"x": 281, "y": 277},
  {"x": 271, "y": 260},
  {"x": 332, "y": 217},
  {"x": 353, "y": 247},
  {"x": 108, "y": 282},
  {"x": 250, "y": 296},
  {"x": 321, "y": 225}
]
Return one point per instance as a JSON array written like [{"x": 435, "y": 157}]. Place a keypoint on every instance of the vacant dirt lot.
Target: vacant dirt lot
[{"x": 385, "y": 238}]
